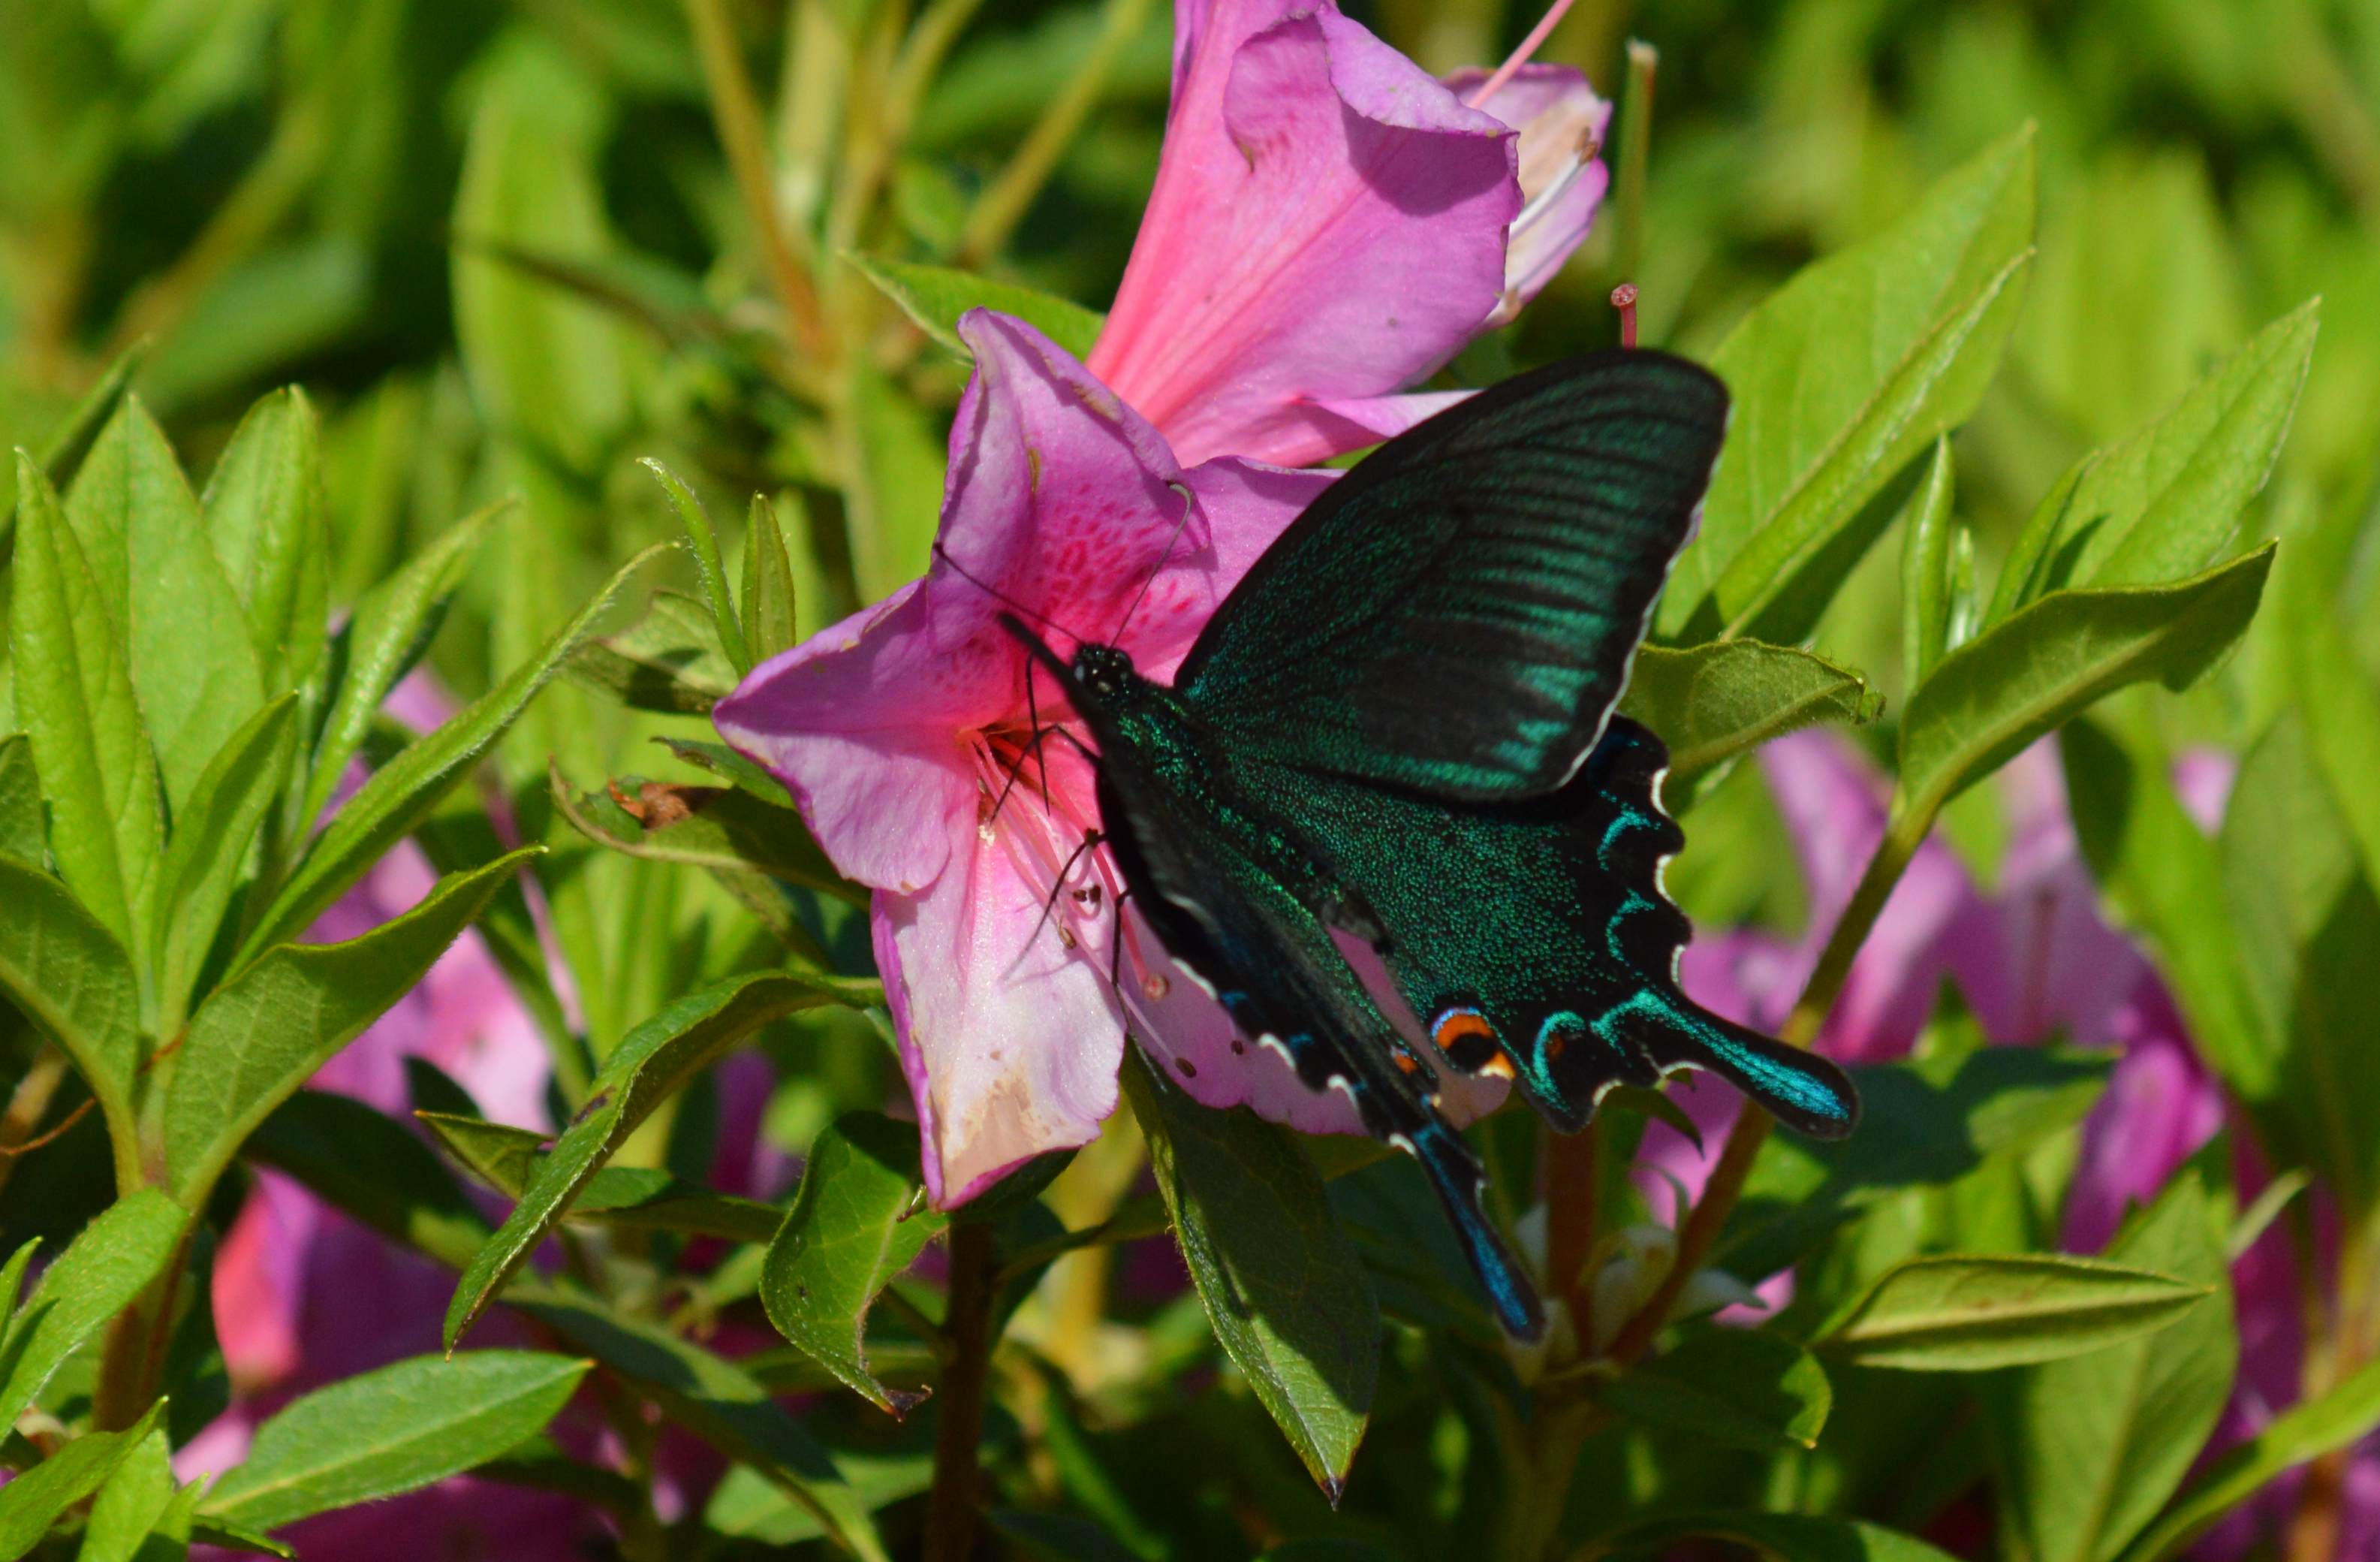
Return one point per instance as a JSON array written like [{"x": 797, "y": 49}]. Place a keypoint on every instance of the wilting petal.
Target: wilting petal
[
  {"x": 1562, "y": 122},
  {"x": 1010, "y": 1039},
  {"x": 1328, "y": 221}
]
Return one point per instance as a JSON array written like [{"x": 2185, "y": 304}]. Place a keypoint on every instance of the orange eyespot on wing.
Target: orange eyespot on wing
[{"x": 1469, "y": 1040}]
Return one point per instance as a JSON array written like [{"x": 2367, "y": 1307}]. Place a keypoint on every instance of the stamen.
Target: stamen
[
  {"x": 1520, "y": 56},
  {"x": 1624, "y": 299}
]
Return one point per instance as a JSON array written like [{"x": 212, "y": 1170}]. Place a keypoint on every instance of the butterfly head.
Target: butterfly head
[{"x": 1104, "y": 671}]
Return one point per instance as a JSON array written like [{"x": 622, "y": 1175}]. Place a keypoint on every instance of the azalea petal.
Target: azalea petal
[
  {"x": 1246, "y": 506},
  {"x": 2161, "y": 1105},
  {"x": 1562, "y": 124},
  {"x": 1010, "y": 1040},
  {"x": 1355, "y": 422},
  {"x": 1329, "y": 221}
]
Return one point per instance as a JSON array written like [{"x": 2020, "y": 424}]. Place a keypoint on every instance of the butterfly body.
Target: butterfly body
[{"x": 1400, "y": 727}]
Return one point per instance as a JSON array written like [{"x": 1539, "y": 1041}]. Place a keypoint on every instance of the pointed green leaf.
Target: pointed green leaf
[
  {"x": 74, "y": 694},
  {"x": 716, "y": 1400},
  {"x": 362, "y": 1161},
  {"x": 668, "y": 662},
  {"x": 264, "y": 1033},
  {"x": 24, "y": 831},
  {"x": 2026, "y": 674},
  {"x": 2346, "y": 1415},
  {"x": 103, "y": 1270},
  {"x": 768, "y": 624},
  {"x": 193, "y": 665},
  {"x": 643, "y": 1198},
  {"x": 37, "y": 1499},
  {"x": 393, "y": 1430},
  {"x": 137, "y": 1501},
  {"x": 402, "y": 792},
  {"x": 1969, "y": 1313},
  {"x": 2339, "y": 703},
  {"x": 1844, "y": 376},
  {"x": 936, "y": 296},
  {"x": 707, "y": 563},
  {"x": 2089, "y": 1448},
  {"x": 1746, "y": 1388},
  {"x": 652, "y": 1063},
  {"x": 858, "y": 1221},
  {"x": 238, "y": 1537},
  {"x": 1282, "y": 1284},
  {"x": 1925, "y": 571},
  {"x": 68, "y": 443},
  {"x": 392, "y": 625},
  {"x": 214, "y": 832},
  {"x": 73, "y": 981},
  {"x": 265, "y": 518},
  {"x": 2164, "y": 501},
  {"x": 1714, "y": 702}
]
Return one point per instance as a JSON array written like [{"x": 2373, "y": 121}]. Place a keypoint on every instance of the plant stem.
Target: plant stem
[
  {"x": 958, "y": 1434},
  {"x": 1005, "y": 200},
  {"x": 1902, "y": 834},
  {"x": 736, "y": 115}
]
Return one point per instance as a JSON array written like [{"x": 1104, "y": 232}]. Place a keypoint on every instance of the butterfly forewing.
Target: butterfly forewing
[{"x": 1458, "y": 613}]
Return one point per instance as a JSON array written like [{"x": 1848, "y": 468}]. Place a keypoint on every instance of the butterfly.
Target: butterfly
[{"x": 1401, "y": 726}]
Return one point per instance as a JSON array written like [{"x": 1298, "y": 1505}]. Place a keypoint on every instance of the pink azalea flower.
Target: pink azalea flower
[
  {"x": 899, "y": 732},
  {"x": 1329, "y": 224}
]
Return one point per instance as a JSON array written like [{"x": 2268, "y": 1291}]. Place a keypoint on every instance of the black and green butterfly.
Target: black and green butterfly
[{"x": 1400, "y": 724}]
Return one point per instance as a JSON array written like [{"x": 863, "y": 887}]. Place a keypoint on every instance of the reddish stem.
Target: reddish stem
[{"x": 1624, "y": 299}]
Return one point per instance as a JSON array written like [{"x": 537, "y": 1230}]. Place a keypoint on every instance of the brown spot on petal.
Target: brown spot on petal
[{"x": 1189, "y": 1069}]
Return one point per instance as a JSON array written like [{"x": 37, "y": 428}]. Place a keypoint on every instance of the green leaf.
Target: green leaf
[
  {"x": 652, "y": 1063},
  {"x": 265, "y": 517},
  {"x": 1926, "y": 582},
  {"x": 1281, "y": 1282},
  {"x": 858, "y": 1221},
  {"x": 193, "y": 664},
  {"x": 238, "y": 1537},
  {"x": 24, "y": 831},
  {"x": 706, "y": 827},
  {"x": 1969, "y": 1313},
  {"x": 1714, "y": 702},
  {"x": 645, "y": 1198},
  {"x": 214, "y": 832},
  {"x": 2164, "y": 501},
  {"x": 2344, "y": 1416},
  {"x": 705, "y": 541},
  {"x": 1844, "y": 376},
  {"x": 136, "y": 1503},
  {"x": 97, "y": 1276},
  {"x": 2026, "y": 674},
  {"x": 392, "y": 627},
  {"x": 73, "y": 981},
  {"x": 264, "y": 1033},
  {"x": 2090, "y": 1448},
  {"x": 1789, "y": 1537},
  {"x": 670, "y": 662},
  {"x": 70, "y": 440},
  {"x": 2304, "y": 921},
  {"x": 935, "y": 297},
  {"x": 393, "y": 1430},
  {"x": 402, "y": 792},
  {"x": 2164, "y": 879},
  {"x": 768, "y": 623},
  {"x": 2339, "y": 703},
  {"x": 37, "y": 1499},
  {"x": 74, "y": 694},
  {"x": 716, "y": 1400},
  {"x": 12, "y": 1276},
  {"x": 363, "y": 1163},
  {"x": 1743, "y": 1387}
]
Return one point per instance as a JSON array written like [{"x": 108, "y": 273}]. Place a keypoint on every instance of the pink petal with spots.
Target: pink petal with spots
[
  {"x": 1328, "y": 221},
  {"x": 1562, "y": 124}
]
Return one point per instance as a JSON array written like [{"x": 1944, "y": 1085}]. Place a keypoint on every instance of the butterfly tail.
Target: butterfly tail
[
  {"x": 1455, "y": 1173},
  {"x": 1804, "y": 1091}
]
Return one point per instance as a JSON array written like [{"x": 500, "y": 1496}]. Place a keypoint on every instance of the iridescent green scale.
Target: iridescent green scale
[{"x": 1399, "y": 726}]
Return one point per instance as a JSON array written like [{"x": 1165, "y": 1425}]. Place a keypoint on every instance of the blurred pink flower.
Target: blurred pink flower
[
  {"x": 1329, "y": 224},
  {"x": 900, "y": 730}
]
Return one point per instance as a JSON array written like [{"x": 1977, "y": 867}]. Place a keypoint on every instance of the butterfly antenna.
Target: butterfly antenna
[
  {"x": 1031, "y": 751},
  {"x": 999, "y": 597},
  {"x": 1189, "y": 503},
  {"x": 1091, "y": 838}
]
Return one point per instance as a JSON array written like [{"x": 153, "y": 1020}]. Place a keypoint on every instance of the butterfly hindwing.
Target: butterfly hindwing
[
  {"x": 1534, "y": 939},
  {"x": 1274, "y": 967},
  {"x": 1457, "y": 614}
]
